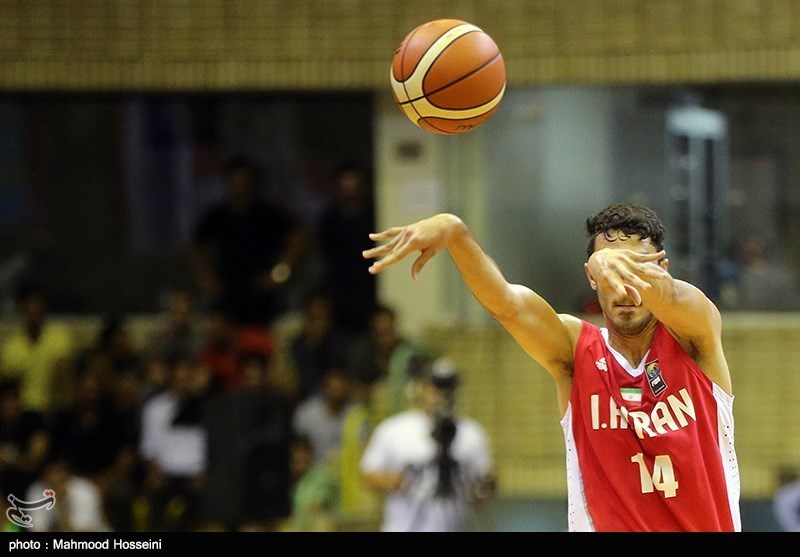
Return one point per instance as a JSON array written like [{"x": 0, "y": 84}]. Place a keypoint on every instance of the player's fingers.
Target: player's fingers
[
  {"x": 634, "y": 294},
  {"x": 393, "y": 235},
  {"x": 420, "y": 262},
  {"x": 645, "y": 257},
  {"x": 386, "y": 234},
  {"x": 377, "y": 251},
  {"x": 634, "y": 280},
  {"x": 653, "y": 271},
  {"x": 399, "y": 249}
]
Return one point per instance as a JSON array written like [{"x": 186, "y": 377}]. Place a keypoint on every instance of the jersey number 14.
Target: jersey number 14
[{"x": 662, "y": 478}]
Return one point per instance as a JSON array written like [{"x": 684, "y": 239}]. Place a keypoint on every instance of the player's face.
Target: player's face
[{"x": 621, "y": 312}]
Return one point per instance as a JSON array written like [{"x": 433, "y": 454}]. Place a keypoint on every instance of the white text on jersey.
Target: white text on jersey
[{"x": 667, "y": 415}]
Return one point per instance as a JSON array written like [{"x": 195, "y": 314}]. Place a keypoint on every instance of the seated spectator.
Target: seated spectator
[
  {"x": 121, "y": 481},
  {"x": 115, "y": 345},
  {"x": 786, "y": 500},
  {"x": 98, "y": 443},
  {"x": 181, "y": 326},
  {"x": 315, "y": 495},
  {"x": 78, "y": 505},
  {"x": 8, "y": 525},
  {"x": 320, "y": 418},
  {"x": 173, "y": 447},
  {"x": 318, "y": 342},
  {"x": 224, "y": 345},
  {"x": 248, "y": 479},
  {"x": 358, "y": 503},
  {"x": 24, "y": 441},
  {"x": 155, "y": 376},
  {"x": 383, "y": 359},
  {"x": 38, "y": 352}
]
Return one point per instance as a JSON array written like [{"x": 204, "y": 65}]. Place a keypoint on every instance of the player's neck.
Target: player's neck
[{"x": 632, "y": 345}]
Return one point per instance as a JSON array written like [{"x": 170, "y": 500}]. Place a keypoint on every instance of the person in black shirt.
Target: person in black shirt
[
  {"x": 25, "y": 443},
  {"x": 343, "y": 232},
  {"x": 244, "y": 248}
]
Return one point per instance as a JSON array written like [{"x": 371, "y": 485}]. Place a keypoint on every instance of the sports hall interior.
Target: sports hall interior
[{"x": 665, "y": 103}]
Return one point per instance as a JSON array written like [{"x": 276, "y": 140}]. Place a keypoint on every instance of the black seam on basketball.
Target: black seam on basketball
[
  {"x": 403, "y": 59},
  {"x": 462, "y": 78}
]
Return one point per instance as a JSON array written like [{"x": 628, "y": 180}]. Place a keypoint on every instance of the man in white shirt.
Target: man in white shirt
[
  {"x": 320, "y": 417},
  {"x": 432, "y": 465},
  {"x": 76, "y": 502},
  {"x": 174, "y": 446}
]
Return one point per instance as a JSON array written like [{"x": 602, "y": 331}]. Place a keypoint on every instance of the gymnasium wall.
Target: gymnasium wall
[{"x": 222, "y": 45}]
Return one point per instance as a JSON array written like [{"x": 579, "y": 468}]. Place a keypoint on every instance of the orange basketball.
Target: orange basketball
[{"x": 448, "y": 76}]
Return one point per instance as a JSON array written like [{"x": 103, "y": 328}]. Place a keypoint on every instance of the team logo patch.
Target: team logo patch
[
  {"x": 601, "y": 364},
  {"x": 654, "y": 377}
]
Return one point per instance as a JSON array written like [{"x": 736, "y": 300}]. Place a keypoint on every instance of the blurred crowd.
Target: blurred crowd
[{"x": 215, "y": 421}]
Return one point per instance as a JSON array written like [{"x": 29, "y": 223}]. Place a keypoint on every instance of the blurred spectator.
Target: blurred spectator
[
  {"x": 320, "y": 418},
  {"x": 225, "y": 344},
  {"x": 120, "y": 484},
  {"x": 433, "y": 464},
  {"x": 155, "y": 376},
  {"x": 343, "y": 233},
  {"x": 315, "y": 495},
  {"x": 180, "y": 328},
  {"x": 786, "y": 501},
  {"x": 25, "y": 442},
  {"x": 116, "y": 347},
  {"x": 173, "y": 447},
  {"x": 98, "y": 444},
  {"x": 765, "y": 281},
  {"x": 8, "y": 525},
  {"x": 383, "y": 358},
  {"x": 319, "y": 342},
  {"x": 249, "y": 430},
  {"x": 38, "y": 352},
  {"x": 78, "y": 503},
  {"x": 244, "y": 249},
  {"x": 112, "y": 353},
  {"x": 358, "y": 504}
]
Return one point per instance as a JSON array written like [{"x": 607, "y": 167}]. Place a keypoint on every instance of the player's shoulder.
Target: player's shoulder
[{"x": 574, "y": 325}]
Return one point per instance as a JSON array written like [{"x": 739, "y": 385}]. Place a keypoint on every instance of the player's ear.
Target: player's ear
[{"x": 592, "y": 282}]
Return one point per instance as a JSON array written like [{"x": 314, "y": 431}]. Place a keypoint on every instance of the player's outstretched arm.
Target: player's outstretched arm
[{"x": 528, "y": 317}]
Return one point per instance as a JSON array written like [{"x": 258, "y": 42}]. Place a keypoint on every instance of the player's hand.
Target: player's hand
[
  {"x": 627, "y": 272},
  {"x": 427, "y": 236}
]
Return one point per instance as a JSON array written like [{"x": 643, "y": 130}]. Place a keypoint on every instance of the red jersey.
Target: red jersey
[{"x": 648, "y": 448}]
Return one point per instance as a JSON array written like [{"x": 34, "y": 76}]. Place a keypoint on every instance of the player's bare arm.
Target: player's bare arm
[
  {"x": 681, "y": 307},
  {"x": 526, "y": 316}
]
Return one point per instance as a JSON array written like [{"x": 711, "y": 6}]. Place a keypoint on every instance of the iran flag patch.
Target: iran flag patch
[{"x": 631, "y": 394}]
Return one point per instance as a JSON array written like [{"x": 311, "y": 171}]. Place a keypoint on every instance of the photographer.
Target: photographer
[{"x": 433, "y": 466}]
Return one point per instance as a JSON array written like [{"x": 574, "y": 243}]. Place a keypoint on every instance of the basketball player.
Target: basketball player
[{"x": 646, "y": 400}]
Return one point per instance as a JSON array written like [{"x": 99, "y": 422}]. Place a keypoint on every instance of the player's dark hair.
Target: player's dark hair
[{"x": 629, "y": 219}]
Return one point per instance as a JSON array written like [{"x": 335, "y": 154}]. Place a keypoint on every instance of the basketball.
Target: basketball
[{"x": 448, "y": 76}]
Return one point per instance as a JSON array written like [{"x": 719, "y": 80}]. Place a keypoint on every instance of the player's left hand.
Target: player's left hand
[{"x": 625, "y": 271}]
